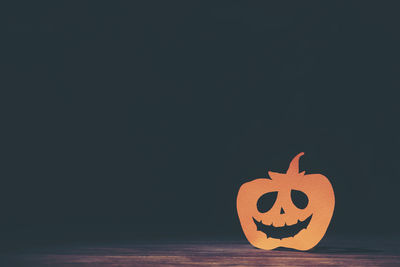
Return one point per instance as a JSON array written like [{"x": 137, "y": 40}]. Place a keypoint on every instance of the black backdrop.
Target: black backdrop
[{"x": 123, "y": 119}]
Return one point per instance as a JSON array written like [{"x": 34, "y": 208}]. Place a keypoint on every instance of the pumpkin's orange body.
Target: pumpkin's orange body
[{"x": 271, "y": 216}]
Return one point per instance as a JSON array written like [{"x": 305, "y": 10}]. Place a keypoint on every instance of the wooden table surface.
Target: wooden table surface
[{"x": 357, "y": 251}]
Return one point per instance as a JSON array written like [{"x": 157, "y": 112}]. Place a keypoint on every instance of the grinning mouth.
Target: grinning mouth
[{"x": 283, "y": 231}]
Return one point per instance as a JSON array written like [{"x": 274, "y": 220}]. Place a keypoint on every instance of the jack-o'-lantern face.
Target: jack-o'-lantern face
[{"x": 291, "y": 210}]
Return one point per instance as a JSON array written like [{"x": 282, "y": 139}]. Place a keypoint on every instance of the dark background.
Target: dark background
[{"x": 141, "y": 120}]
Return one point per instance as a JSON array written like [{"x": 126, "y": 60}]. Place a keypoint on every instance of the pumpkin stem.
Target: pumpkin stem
[{"x": 294, "y": 164}]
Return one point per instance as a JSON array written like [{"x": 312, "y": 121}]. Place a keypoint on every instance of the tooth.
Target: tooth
[
  {"x": 298, "y": 221},
  {"x": 285, "y": 224}
]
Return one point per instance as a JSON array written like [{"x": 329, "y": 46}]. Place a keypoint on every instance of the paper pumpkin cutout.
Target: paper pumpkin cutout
[{"x": 291, "y": 209}]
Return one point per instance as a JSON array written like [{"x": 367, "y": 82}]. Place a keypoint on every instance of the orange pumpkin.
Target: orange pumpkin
[{"x": 291, "y": 209}]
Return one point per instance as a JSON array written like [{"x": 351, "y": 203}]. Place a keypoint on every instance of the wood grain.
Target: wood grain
[{"x": 383, "y": 252}]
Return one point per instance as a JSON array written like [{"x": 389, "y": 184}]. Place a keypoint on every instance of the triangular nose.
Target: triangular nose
[{"x": 282, "y": 211}]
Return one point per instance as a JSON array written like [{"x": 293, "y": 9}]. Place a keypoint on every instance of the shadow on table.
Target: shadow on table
[{"x": 337, "y": 250}]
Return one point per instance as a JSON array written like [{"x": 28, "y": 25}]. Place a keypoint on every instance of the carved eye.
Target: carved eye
[
  {"x": 299, "y": 199},
  {"x": 266, "y": 201}
]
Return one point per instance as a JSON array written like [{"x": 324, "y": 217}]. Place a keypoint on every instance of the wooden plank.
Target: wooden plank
[{"x": 205, "y": 253}]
